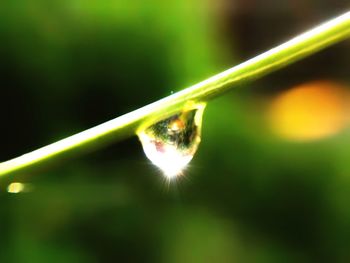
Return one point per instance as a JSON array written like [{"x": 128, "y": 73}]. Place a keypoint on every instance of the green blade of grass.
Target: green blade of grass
[{"x": 126, "y": 125}]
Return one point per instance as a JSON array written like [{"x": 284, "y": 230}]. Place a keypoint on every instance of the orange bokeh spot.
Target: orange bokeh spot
[{"x": 311, "y": 111}]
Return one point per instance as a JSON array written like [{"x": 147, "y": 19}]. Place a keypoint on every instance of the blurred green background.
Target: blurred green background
[{"x": 271, "y": 179}]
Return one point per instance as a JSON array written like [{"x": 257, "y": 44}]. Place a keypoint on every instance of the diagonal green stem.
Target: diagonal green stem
[{"x": 310, "y": 42}]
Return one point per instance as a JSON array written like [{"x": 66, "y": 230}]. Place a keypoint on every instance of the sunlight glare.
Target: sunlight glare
[{"x": 170, "y": 160}]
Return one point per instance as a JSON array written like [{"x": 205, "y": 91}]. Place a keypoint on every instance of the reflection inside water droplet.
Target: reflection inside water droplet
[{"x": 171, "y": 143}]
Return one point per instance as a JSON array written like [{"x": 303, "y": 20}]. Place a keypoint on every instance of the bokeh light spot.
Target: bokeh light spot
[
  {"x": 15, "y": 188},
  {"x": 310, "y": 111}
]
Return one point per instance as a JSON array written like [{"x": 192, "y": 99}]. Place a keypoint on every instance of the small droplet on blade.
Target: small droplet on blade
[{"x": 171, "y": 143}]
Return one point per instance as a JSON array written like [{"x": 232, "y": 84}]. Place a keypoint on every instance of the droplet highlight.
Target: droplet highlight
[{"x": 170, "y": 144}]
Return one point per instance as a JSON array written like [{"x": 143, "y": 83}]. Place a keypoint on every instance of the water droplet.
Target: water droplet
[{"x": 171, "y": 143}]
